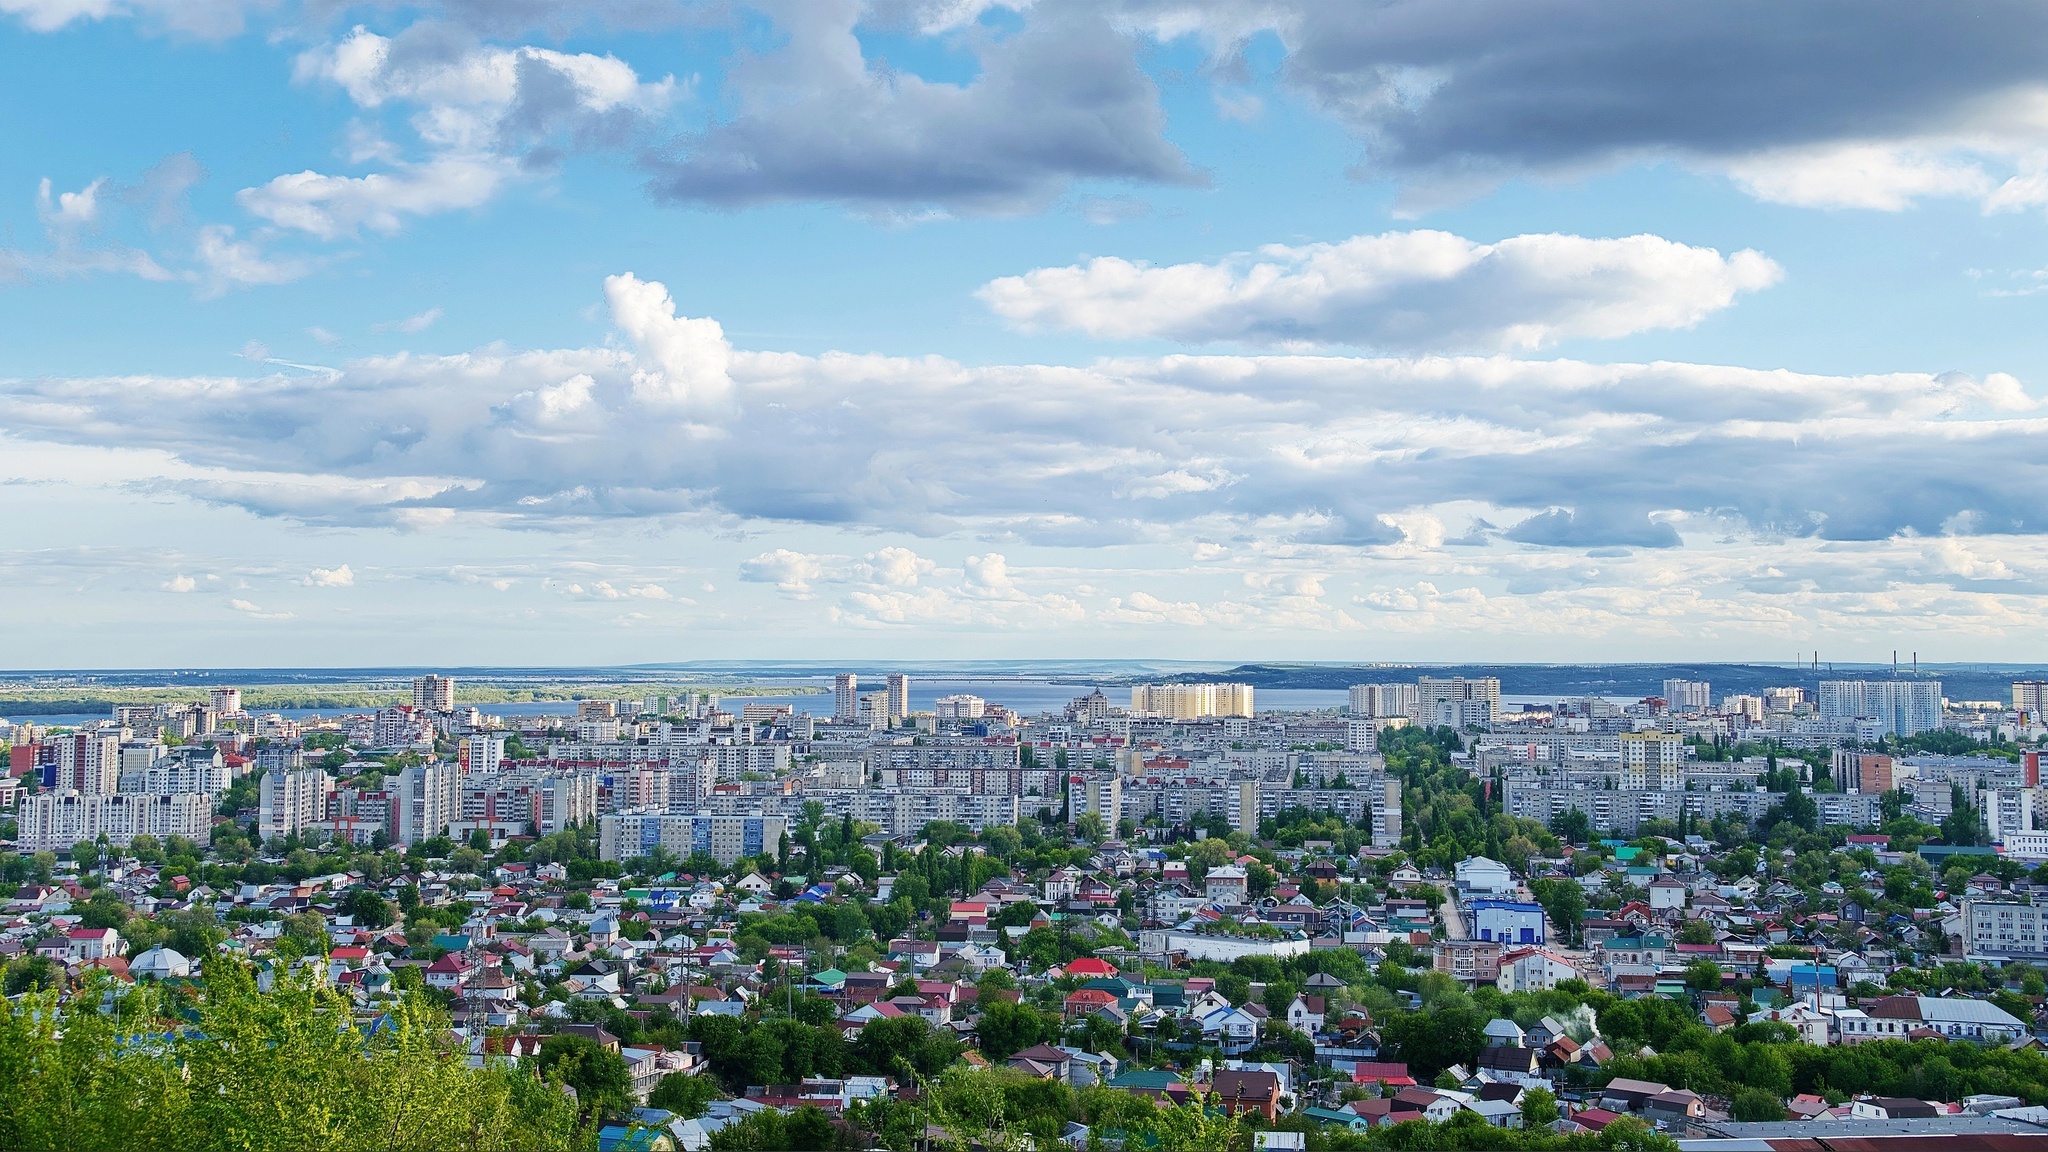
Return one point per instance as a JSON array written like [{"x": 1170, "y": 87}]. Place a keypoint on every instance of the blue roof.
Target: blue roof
[{"x": 619, "y": 1137}]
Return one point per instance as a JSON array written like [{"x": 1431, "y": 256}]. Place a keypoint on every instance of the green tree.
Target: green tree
[
  {"x": 603, "y": 1085},
  {"x": 1703, "y": 976},
  {"x": 1006, "y": 1029},
  {"x": 890, "y": 1047},
  {"x": 1090, "y": 828},
  {"x": 1964, "y": 824},
  {"x": 1564, "y": 902},
  {"x": 683, "y": 1094},
  {"x": 1539, "y": 1108},
  {"x": 369, "y": 909},
  {"x": 104, "y": 910},
  {"x": 1753, "y": 1105},
  {"x": 1435, "y": 1038},
  {"x": 1572, "y": 826},
  {"x": 308, "y": 930}
]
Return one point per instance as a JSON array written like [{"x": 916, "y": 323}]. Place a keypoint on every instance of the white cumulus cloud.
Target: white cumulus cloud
[
  {"x": 337, "y": 577},
  {"x": 788, "y": 570},
  {"x": 1420, "y": 290},
  {"x": 687, "y": 359}
]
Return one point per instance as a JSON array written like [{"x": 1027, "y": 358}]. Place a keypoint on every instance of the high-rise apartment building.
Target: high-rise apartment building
[
  {"x": 899, "y": 696},
  {"x": 1652, "y": 760},
  {"x": 425, "y": 798},
  {"x": 2031, "y": 697},
  {"x": 2006, "y": 811},
  {"x": 1689, "y": 695},
  {"x": 1863, "y": 772},
  {"x": 1900, "y": 707},
  {"x": 1457, "y": 701},
  {"x": 291, "y": 801},
  {"x": 486, "y": 752},
  {"x": 1361, "y": 736},
  {"x": 1100, "y": 794},
  {"x": 434, "y": 693},
  {"x": 226, "y": 701},
  {"x": 55, "y": 821},
  {"x": 846, "y": 696},
  {"x": 1191, "y": 701},
  {"x": 85, "y": 762},
  {"x": 1384, "y": 701},
  {"x": 402, "y": 726}
]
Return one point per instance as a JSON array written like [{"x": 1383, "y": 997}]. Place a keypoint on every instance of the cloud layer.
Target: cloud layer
[
  {"x": 1311, "y": 449},
  {"x": 1421, "y": 290}
]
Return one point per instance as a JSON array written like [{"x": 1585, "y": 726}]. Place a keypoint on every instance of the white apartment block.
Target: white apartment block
[
  {"x": 732, "y": 761},
  {"x": 1191, "y": 701},
  {"x": 1691, "y": 696},
  {"x": 1375, "y": 798},
  {"x": 642, "y": 788},
  {"x": 2031, "y": 697},
  {"x": 959, "y": 707},
  {"x": 1899, "y": 707},
  {"x": 899, "y": 696},
  {"x": 401, "y": 726},
  {"x": 291, "y": 801},
  {"x": 1458, "y": 702},
  {"x": 486, "y": 752},
  {"x": 1236, "y": 801},
  {"x": 226, "y": 701},
  {"x": 55, "y": 821},
  {"x": 2002, "y": 930},
  {"x": 905, "y": 812},
  {"x": 433, "y": 693},
  {"x": 1100, "y": 794},
  {"x": 425, "y": 799},
  {"x": 564, "y": 800},
  {"x": 1361, "y": 736},
  {"x": 846, "y": 697},
  {"x": 138, "y": 755},
  {"x": 2007, "y": 811},
  {"x": 1384, "y": 701},
  {"x": 202, "y": 775}
]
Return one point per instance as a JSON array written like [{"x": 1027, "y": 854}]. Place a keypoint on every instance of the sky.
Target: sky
[{"x": 547, "y": 332}]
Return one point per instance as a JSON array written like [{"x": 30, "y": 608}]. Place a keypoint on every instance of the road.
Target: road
[{"x": 1454, "y": 920}]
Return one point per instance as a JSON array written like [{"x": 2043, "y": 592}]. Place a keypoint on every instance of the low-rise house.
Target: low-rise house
[
  {"x": 1238, "y": 1092},
  {"x": 1533, "y": 969},
  {"x": 1948, "y": 1017},
  {"x": 1306, "y": 1013},
  {"x": 92, "y": 943}
]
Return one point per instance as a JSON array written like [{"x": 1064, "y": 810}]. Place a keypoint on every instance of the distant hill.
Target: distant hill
[{"x": 1958, "y": 681}]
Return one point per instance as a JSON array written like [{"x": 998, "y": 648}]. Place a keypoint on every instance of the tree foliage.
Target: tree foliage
[{"x": 253, "y": 1071}]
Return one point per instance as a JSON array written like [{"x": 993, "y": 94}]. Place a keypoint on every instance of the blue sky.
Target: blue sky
[{"x": 547, "y": 332}]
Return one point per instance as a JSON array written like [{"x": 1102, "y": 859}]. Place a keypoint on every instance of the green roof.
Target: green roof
[{"x": 829, "y": 976}]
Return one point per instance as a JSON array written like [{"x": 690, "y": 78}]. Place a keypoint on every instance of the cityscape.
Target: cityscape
[
  {"x": 1023, "y": 576},
  {"x": 711, "y": 920}
]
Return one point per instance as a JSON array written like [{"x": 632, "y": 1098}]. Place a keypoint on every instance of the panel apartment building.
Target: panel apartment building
[{"x": 624, "y": 835}]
